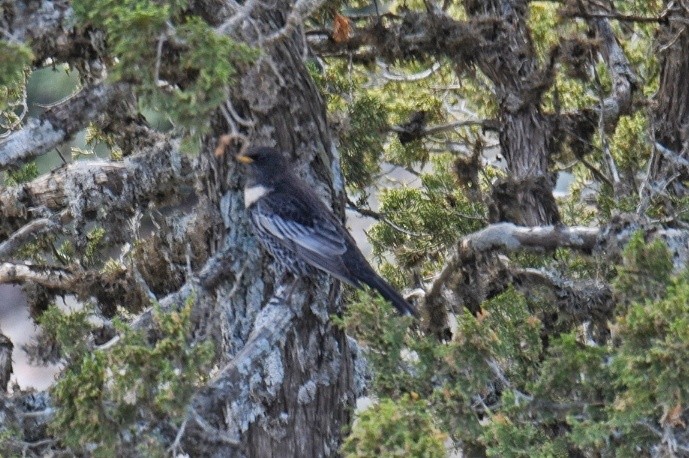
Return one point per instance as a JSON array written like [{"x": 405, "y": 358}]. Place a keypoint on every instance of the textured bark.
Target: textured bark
[
  {"x": 5, "y": 362},
  {"x": 303, "y": 396},
  {"x": 671, "y": 113},
  {"x": 47, "y": 25}
]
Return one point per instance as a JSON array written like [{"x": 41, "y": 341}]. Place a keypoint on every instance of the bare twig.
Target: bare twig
[
  {"x": 388, "y": 75},
  {"x": 382, "y": 218},
  {"x": 617, "y": 17},
  {"x": 671, "y": 156}
]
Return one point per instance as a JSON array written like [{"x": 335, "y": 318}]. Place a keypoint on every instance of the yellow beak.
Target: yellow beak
[{"x": 244, "y": 159}]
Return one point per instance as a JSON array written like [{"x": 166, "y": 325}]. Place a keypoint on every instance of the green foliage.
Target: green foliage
[
  {"x": 105, "y": 398},
  {"x": 94, "y": 136},
  {"x": 378, "y": 327},
  {"x": 645, "y": 271},
  {"x": 506, "y": 438},
  {"x": 190, "y": 77},
  {"x": 15, "y": 61},
  {"x": 543, "y": 23},
  {"x": 361, "y": 143},
  {"x": 654, "y": 338},
  {"x": 24, "y": 174},
  {"x": 556, "y": 397},
  {"x": 435, "y": 215},
  {"x": 504, "y": 339},
  {"x": 629, "y": 145},
  {"x": 94, "y": 243},
  {"x": 390, "y": 428},
  {"x": 15, "y": 58},
  {"x": 67, "y": 330}
]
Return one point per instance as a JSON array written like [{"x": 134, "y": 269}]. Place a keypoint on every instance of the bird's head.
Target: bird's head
[{"x": 263, "y": 162}]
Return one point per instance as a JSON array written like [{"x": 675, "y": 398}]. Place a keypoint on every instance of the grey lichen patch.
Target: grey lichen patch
[
  {"x": 497, "y": 235},
  {"x": 274, "y": 370},
  {"x": 362, "y": 369},
  {"x": 678, "y": 243},
  {"x": 259, "y": 89},
  {"x": 268, "y": 315},
  {"x": 28, "y": 142},
  {"x": 307, "y": 392}
]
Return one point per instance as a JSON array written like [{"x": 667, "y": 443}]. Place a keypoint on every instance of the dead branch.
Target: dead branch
[
  {"x": 29, "y": 413},
  {"x": 58, "y": 124},
  {"x": 508, "y": 237},
  {"x": 585, "y": 301},
  {"x": 475, "y": 250},
  {"x": 26, "y": 233},
  {"x": 48, "y": 276},
  {"x": 624, "y": 79}
]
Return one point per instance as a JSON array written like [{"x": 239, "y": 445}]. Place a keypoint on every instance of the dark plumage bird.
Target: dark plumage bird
[{"x": 301, "y": 231}]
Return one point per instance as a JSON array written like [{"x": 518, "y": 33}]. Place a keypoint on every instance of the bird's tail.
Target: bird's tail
[{"x": 388, "y": 292}]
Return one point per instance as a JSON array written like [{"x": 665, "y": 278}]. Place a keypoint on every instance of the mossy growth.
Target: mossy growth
[{"x": 117, "y": 399}]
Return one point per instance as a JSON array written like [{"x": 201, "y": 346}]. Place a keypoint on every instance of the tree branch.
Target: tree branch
[
  {"x": 48, "y": 276},
  {"x": 624, "y": 80},
  {"x": 509, "y": 237},
  {"x": 95, "y": 186},
  {"x": 408, "y": 37},
  {"x": 23, "y": 235},
  {"x": 58, "y": 124},
  {"x": 234, "y": 387}
]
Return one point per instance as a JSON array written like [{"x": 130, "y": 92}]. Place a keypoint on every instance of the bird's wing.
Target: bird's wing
[
  {"x": 308, "y": 229},
  {"x": 292, "y": 219}
]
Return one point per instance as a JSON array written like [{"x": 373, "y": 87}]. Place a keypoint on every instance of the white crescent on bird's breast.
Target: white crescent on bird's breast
[{"x": 253, "y": 193}]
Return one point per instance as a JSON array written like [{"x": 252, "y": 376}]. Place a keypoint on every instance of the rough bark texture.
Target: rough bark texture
[
  {"x": 303, "y": 396},
  {"x": 5, "y": 363},
  {"x": 671, "y": 114}
]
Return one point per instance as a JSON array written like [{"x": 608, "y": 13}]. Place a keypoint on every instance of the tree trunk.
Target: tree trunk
[
  {"x": 671, "y": 114},
  {"x": 296, "y": 399},
  {"x": 526, "y": 139}
]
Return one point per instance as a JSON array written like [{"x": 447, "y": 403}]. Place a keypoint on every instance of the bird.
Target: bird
[{"x": 300, "y": 231}]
